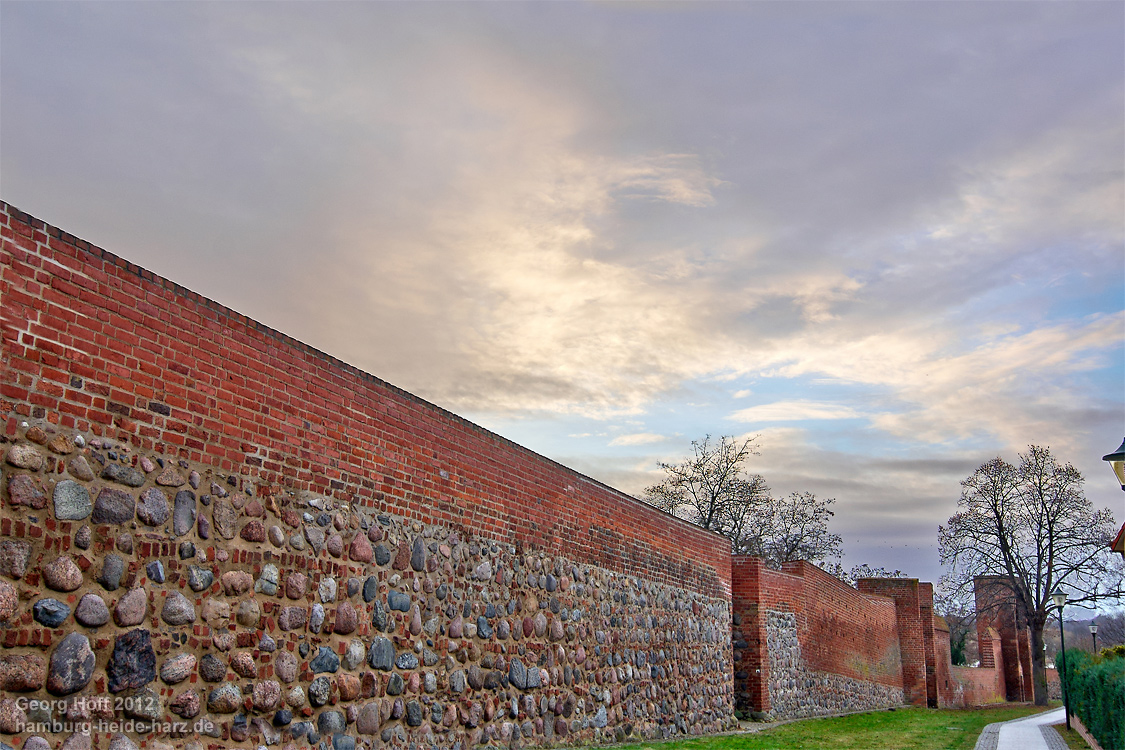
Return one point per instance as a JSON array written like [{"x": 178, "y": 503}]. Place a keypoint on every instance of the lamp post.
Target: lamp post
[
  {"x": 1059, "y": 598},
  {"x": 1094, "y": 634},
  {"x": 1117, "y": 463}
]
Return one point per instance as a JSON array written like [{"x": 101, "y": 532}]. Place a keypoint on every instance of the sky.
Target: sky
[{"x": 886, "y": 240}]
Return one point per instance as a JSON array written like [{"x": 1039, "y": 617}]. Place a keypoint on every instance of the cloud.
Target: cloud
[
  {"x": 638, "y": 438},
  {"x": 564, "y": 215},
  {"x": 794, "y": 411}
]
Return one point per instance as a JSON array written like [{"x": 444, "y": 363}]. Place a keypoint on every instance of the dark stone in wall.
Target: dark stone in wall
[
  {"x": 72, "y": 665},
  {"x": 133, "y": 662},
  {"x": 50, "y": 613},
  {"x": 113, "y": 506}
]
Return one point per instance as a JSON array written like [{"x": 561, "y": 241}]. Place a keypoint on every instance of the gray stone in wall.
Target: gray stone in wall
[
  {"x": 132, "y": 663},
  {"x": 152, "y": 507},
  {"x": 525, "y": 678},
  {"x": 211, "y": 669},
  {"x": 370, "y": 588},
  {"x": 378, "y": 616},
  {"x": 315, "y": 537},
  {"x": 325, "y": 661},
  {"x": 50, "y": 613},
  {"x": 457, "y": 682},
  {"x": 92, "y": 611},
  {"x": 381, "y": 655},
  {"x": 268, "y": 579},
  {"x": 125, "y": 475},
  {"x": 72, "y": 501},
  {"x": 155, "y": 571},
  {"x": 316, "y": 618},
  {"x": 177, "y": 609},
  {"x": 398, "y": 601},
  {"x": 183, "y": 514},
  {"x": 330, "y": 722},
  {"x": 199, "y": 579},
  {"x": 225, "y": 699},
  {"x": 354, "y": 655},
  {"x": 320, "y": 689},
  {"x": 112, "y": 507},
  {"x": 112, "y": 569},
  {"x": 382, "y": 554}
]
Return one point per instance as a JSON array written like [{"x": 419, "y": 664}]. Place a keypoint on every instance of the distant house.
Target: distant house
[{"x": 1118, "y": 544}]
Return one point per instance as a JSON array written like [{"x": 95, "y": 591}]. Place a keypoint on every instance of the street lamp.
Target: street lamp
[
  {"x": 1094, "y": 634},
  {"x": 1117, "y": 463},
  {"x": 1059, "y": 598}
]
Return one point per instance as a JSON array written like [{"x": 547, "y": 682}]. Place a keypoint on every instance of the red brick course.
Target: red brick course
[{"x": 94, "y": 343}]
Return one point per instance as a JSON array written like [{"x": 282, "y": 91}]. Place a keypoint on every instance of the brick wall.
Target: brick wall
[
  {"x": 911, "y": 631},
  {"x": 520, "y": 601},
  {"x": 841, "y": 632},
  {"x": 999, "y": 611},
  {"x": 96, "y": 344},
  {"x": 328, "y": 554}
]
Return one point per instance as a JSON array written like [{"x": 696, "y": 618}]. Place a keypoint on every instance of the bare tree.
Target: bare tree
[
  {"x": 1033, "y": 525},
  {"x": 959, "y": 613},
  {"x": 836, "y": 568},
  {"x": 708, "y": 487},
  {"x": 793, "y": 528},
  {"x": 712, "y": 489}
]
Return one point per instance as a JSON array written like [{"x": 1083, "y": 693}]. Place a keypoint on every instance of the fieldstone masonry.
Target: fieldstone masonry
[
  {"x": 798, "y": 692},
  {"x": 390, "y": 631}
]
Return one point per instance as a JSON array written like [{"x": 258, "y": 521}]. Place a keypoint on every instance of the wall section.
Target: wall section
[
  {"x": 207, "y": 521},
  {"x": 807, "y": 644}
]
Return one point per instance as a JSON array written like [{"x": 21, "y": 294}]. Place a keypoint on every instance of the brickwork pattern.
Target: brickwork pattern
[
  {"x": 905, "y": 594},
  {"x": 841, "y": 632}
]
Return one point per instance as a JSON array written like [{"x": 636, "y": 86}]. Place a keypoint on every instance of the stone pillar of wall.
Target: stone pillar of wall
[
  {"x": 751, "y": 665},
  {"x": 904, "y": 592},
  {"x": 946, "y": 688},
  {"x": 926, "y": 615}
]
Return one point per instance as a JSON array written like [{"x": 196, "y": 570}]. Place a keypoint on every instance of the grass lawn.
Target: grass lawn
[{"x": 903, "y": 729}]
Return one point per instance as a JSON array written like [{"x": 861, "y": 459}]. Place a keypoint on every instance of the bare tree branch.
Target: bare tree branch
[
  {"x": 711, "y": 488},
  {"x": 1033, "y": 525}
]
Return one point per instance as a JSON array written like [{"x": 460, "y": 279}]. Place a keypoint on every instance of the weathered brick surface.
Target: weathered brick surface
[
  {"x": 998, "y": 610},
  {"x": 842, "y": 632},
  {"x": 301, "y": 524}
]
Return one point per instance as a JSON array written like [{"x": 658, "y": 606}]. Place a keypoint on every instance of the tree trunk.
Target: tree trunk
[{"x": 1036, "y": 623}]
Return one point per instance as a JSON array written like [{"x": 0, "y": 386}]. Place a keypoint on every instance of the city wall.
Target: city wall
[
  {"x": 215, "y": 536},
  {"x": 807, "y": 644}
]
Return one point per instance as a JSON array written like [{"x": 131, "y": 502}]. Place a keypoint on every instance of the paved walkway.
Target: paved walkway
[{"x": 1029, "y": 733}]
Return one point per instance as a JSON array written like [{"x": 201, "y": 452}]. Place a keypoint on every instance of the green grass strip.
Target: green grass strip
[{"x": 902, "y": 729}]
